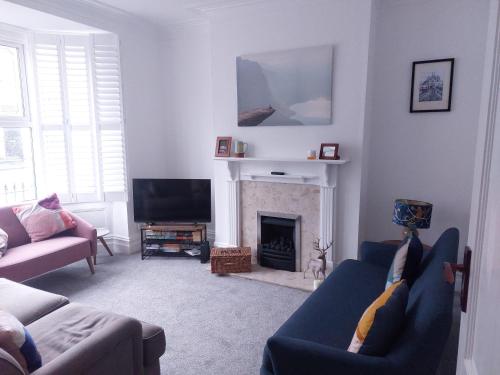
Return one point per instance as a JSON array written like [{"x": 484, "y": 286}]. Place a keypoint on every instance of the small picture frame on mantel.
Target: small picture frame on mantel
[
  {"x": 431, "y": 85},
  {"x": 223, "y": 147},
  {"x": 329, "y": 151}
]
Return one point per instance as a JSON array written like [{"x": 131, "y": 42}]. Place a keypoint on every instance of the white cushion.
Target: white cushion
[{"x": 3, "y": 242}]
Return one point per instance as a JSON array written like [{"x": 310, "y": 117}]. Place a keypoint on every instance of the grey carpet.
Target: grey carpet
[{"x": 214, "y": 325}]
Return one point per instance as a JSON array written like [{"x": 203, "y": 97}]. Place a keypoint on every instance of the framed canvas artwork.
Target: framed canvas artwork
[
  {"x": 292, "y": 87},
  {"x": 431, "y": 85}
]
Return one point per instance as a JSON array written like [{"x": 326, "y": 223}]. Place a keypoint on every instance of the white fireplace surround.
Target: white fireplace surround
[{"x": 322, "y": 173}]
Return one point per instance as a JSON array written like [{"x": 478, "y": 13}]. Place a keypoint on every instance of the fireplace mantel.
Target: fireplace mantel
[
  {"x": 284, "y": 160},
  {"x": 315, "y": 172},
  {"x": 319, "y": 172}
]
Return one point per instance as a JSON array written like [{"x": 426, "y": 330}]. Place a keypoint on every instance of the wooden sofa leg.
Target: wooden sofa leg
[{"x": 91, "y": 265}]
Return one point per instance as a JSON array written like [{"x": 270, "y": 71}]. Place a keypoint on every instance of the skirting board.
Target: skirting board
[{"x": 120, "y": 245}]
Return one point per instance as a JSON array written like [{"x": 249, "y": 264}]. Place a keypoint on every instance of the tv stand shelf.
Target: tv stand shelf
[{"x": 175, "y": 240}]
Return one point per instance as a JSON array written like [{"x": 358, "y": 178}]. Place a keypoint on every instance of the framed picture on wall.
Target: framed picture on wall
[
  {"x": 431, "y": 85},
  {"x": 329, "y": 151},
  {"x": 223, "y": 147},
  {"x": 285, "y": 88}
]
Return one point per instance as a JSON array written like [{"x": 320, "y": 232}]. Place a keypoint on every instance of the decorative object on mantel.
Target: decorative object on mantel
[
  {"x": 291, "y": 87},
  {"x": 329, "y": 151},
  {"x": 412, "y": 214},
  {"x": 431, "y": 85},
  {"x": 318, "y": 265},
  {"x": 230, "y": 260},
  {"x": 311, "y": 155},
  {"x": 223, "y": 147},
  {"x": 240, "y": 148}
]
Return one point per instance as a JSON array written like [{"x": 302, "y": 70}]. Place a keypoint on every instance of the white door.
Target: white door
[{"x": 479, "y": 349}]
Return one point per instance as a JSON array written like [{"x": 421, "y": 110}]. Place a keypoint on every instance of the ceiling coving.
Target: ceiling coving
[{"x": 168, "y": 12}]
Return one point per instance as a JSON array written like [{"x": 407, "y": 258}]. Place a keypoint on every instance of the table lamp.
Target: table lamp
[{"x": 412, "y": 214}]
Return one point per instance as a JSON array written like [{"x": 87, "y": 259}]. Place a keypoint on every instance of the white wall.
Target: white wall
[
  {"x": 186, "y": 67},
  {"x": 278, "y": 25},
  {"x": 145, "y": 125},
  {"x": 187, "y": 99},
  {"x": 425, "y": 156}
]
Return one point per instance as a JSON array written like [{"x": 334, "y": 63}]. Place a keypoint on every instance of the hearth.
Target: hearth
[{"x": 278, "y": 241}]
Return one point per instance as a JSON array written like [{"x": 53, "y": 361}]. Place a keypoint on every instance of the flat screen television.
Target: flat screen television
[{"x": 172, "y": 200}]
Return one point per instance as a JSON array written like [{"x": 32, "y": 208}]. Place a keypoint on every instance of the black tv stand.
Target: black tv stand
[{"x": 175, "y": 240}]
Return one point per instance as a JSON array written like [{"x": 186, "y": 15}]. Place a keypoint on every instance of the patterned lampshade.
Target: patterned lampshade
[{"x": 412, "y": 214}]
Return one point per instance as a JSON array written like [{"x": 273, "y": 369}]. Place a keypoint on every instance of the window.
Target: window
[
  {"x": 80, "y": 117},
  {"x": 72, "y": 139},
  {"x": 11, "y": 85},
  {"x": 17, "y": 180}
]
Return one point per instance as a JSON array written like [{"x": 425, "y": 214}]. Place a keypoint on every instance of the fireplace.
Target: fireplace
[{"x": 278, "y": 241}]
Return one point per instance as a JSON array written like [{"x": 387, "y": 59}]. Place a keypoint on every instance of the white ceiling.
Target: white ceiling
[
  {"x": 161, "y": 13},
  {"x": 167, "y": 12},
  {"x": 32, "y": 19}
]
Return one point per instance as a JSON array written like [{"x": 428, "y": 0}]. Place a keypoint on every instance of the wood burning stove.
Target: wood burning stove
[{"x": 278, "y": 241}]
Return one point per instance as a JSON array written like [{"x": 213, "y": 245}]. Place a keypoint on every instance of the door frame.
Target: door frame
[{"x": 489, "y": 119}]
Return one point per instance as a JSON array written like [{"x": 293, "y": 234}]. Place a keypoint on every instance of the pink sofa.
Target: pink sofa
[{"x": 25, "y": 259}]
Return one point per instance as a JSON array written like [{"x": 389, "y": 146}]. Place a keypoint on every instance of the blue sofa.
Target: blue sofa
[{"x": 315, "y": 338}]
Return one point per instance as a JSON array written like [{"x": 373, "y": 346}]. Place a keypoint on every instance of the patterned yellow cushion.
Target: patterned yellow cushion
[{"x": 381, "y": 321}]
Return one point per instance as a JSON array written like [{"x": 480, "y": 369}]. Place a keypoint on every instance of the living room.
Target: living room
[{"x": 110, "y": 94}]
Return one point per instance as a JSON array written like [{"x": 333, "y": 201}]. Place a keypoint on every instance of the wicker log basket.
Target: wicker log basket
[{"x": 230, "y": 259}]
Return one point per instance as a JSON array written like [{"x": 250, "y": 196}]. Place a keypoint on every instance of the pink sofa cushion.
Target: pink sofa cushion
[
  {"x": 44, "y": 219},
  {"x": 33, "y": 259},
  {"x": 10, "y": 224}
]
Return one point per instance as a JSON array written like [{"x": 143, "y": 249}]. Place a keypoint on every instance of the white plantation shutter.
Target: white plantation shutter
[
  {"x": 48, "y": 73},
  {"x": 77, "y": 81},
  {"x": 55, "y": 162},
  {"x": 113, "y": 163},
  {"x": 49, "y": 83},
  {"x": 80, "y": 124},
  {"x": 80, "y": 116},
  {"x": 108, "y": 107},
  {"x": 84, "y": 178},
  {"x": 65, "y": 117}
]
